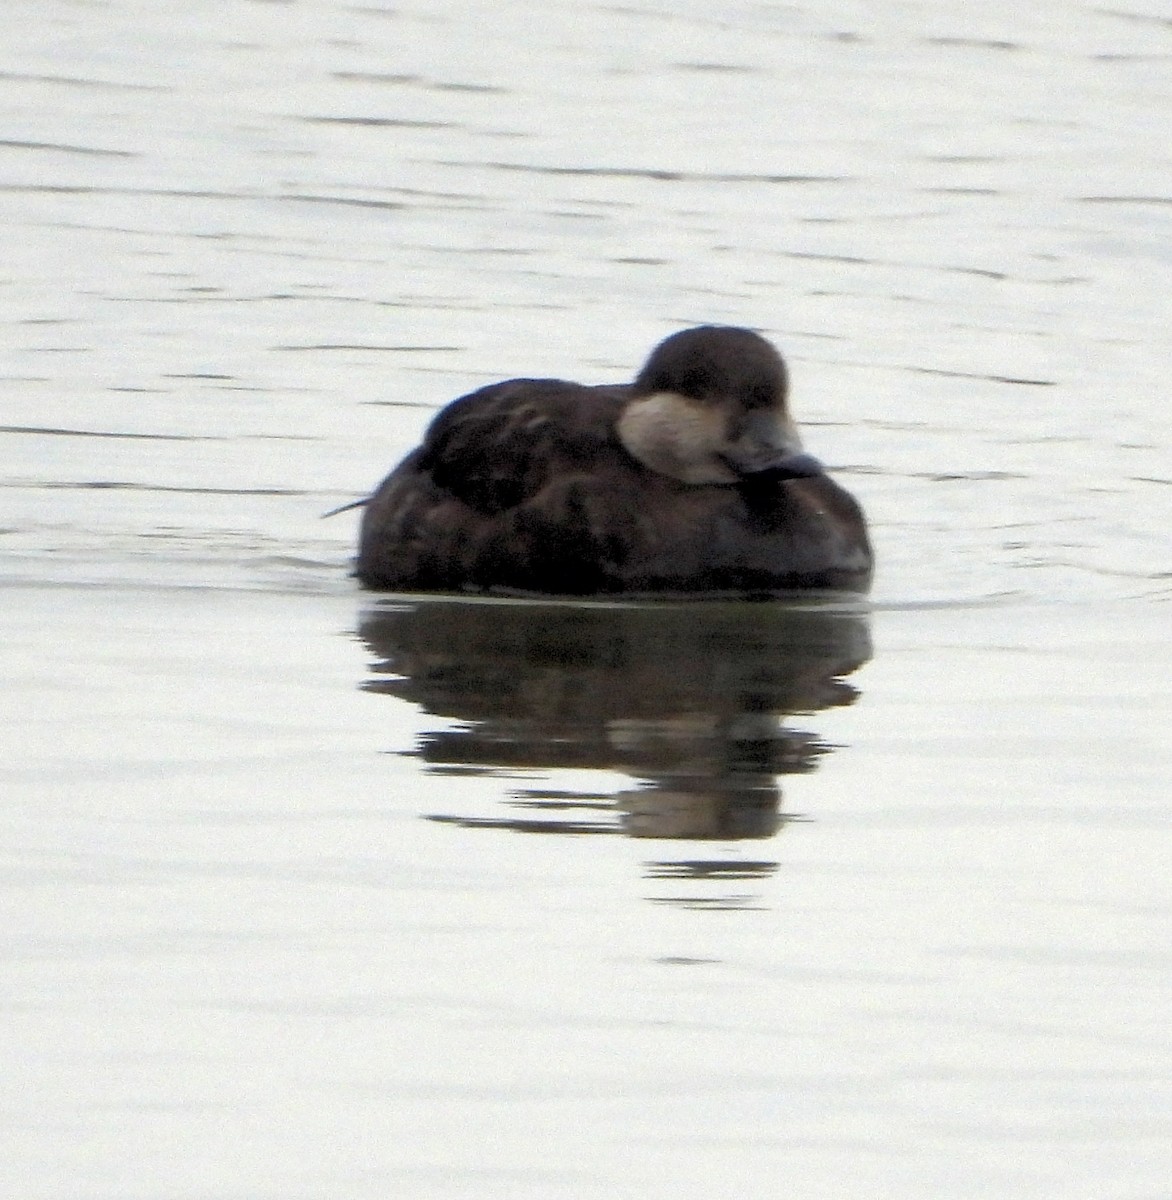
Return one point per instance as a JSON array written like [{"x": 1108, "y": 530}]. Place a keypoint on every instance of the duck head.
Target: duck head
[{"x": 709, "y": 406}]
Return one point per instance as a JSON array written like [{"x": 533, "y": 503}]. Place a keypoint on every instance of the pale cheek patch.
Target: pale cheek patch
[{"x": 676, "y": 436}]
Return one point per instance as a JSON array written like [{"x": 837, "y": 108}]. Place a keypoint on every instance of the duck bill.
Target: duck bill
[
  {"x": 796, "y": 465},
  {"x": 774, "y": 463},
  {"x": 769, "y": 446}
]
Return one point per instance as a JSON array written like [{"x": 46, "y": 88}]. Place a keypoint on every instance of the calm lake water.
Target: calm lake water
[{"x": 310, "y": 893}]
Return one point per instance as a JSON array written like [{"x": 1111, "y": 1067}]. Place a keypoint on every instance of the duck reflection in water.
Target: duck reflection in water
[{"x": 688, "y": 698}]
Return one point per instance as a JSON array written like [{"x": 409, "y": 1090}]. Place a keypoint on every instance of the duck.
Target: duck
[{"x": 691, "y": 481}]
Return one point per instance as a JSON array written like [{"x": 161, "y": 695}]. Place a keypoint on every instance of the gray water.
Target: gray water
[{"x": 308, "y": 893}]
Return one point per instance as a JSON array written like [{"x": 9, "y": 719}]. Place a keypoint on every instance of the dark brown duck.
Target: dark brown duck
[{"x": 691, "y": 481}]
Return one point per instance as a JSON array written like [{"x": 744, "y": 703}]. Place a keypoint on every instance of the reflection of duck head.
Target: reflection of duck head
[
  {"x": 687, "y": 698},
  {"x": 690, "y": 481}
]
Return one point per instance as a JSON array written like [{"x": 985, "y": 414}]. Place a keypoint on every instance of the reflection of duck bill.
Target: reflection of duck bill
[{"x": 700, "y": 815}]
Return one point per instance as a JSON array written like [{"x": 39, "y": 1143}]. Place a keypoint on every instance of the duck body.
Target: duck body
[{"x": 688, "y": 482}]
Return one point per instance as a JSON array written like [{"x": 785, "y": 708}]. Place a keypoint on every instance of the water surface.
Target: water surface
[{"x": 314, "y": 893}]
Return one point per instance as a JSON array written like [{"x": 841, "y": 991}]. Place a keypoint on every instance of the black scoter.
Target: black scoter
[{"x": 690, "y": 481}]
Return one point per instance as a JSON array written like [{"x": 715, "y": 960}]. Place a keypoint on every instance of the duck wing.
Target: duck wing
[{"x": 498, "y": 447}]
